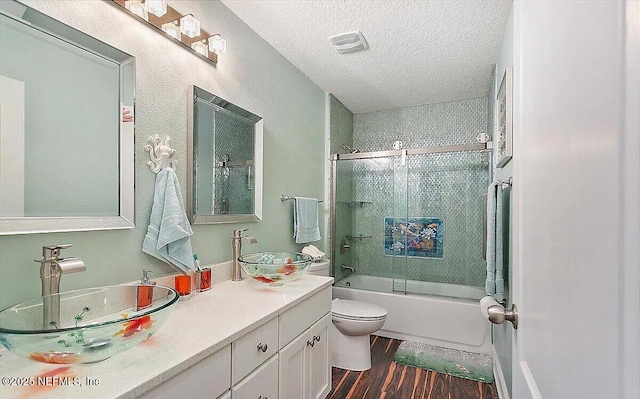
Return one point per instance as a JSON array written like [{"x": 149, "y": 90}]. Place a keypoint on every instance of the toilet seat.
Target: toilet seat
[{"x": 356, "y": 310}]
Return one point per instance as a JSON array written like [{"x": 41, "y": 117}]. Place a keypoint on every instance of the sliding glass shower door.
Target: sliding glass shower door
[
  {"x": 410, "y": 221},
  {"x": 366, "y": 199}
]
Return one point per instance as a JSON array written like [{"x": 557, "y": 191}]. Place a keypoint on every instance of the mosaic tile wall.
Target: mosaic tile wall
[
  {"x": 447, "y": 186},
  {"x": 233, "y": 136}
]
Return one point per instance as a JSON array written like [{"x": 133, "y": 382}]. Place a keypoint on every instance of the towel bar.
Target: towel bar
[{"x": 284, "y": 197}]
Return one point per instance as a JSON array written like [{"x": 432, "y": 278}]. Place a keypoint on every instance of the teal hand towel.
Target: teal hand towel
[
  {"x": 169, "y": 231},
  {"x": 306, "y": 227},
  {"x": 490, "y": 282}
]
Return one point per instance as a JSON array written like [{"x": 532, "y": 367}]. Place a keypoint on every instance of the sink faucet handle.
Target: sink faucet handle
[
  {"x": 238, "y": 233},
  {"x": 53, "y": 251}
]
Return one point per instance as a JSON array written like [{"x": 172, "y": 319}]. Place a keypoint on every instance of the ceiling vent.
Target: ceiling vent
[{"x": 349, "y": 42}]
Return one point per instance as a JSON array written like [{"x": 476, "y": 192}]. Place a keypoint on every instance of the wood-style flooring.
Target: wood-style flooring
[{"x": 390, "y": 380}]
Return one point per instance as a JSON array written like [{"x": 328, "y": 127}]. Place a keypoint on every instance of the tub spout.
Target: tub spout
[{"x": 347, "y": 267}]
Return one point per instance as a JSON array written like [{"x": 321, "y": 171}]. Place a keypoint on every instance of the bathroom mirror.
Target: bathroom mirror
[
  {"x": 224, "y": 172},
  {"x": 66, "y": 127}
]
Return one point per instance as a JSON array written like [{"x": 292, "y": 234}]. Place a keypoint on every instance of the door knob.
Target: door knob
[{"x": 498, "y": 315}]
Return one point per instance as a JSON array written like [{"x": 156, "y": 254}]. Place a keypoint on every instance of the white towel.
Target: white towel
[
  {"x": 305, "y": 220},
  {"x": 313, "y": 251},
  {"x": 169, "y": 230}
]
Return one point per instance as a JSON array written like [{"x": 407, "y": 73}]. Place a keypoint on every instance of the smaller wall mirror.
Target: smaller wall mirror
[{"x": 224, "y": 173}]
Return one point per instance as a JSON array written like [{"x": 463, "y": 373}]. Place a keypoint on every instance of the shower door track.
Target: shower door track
[{"x": 409, "y": 151}]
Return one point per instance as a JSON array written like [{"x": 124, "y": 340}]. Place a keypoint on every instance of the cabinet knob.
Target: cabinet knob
[
  {"x": 311, "y": 343},
  {"x": 316, "y": 338},
  {"x": 262, "y": 347},
  {"x": 262, "y": 397}
]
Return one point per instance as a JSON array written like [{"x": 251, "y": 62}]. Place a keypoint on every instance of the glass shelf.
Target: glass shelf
[
  {"x": 358, "y": 236},
  {"x": 353, "y": 204}
]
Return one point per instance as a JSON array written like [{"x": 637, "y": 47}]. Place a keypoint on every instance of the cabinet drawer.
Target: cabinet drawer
[
  {"x": 262, "y": 383},
  {"x": 253, "y": 349},
  {"x": 297, "y": 319},
  {"x": 207, "y": 379}
]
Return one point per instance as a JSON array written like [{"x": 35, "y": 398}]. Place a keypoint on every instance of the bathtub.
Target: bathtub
[{"x": 425, "y": 314}]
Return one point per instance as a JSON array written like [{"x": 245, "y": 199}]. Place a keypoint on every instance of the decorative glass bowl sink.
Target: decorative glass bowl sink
[
  {"x": 275, "y": 268},
  {"x": 94, "y": 324}
]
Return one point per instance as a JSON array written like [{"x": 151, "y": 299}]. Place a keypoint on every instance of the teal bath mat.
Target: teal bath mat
[{"x": 473, "y": 366}]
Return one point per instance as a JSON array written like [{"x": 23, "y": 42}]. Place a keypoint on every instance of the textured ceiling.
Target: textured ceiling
[{"x": 421, "y": 52}]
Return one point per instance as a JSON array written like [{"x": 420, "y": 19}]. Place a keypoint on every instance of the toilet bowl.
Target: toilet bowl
[{"x": 352, "y": 323}]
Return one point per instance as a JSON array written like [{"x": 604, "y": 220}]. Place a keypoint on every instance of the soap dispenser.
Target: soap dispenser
[{"x": 144, "y": 293}]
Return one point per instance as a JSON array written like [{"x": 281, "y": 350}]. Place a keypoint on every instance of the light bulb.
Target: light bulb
[
  {"x": 217, "y": 44},
  {"x": 172, "y": 29},
  {"x": 190, "y": 26},
  {"x": 200, "y": 48},
  {"x": 136, "y": 7},
  {"x": 156, "y": 7}
]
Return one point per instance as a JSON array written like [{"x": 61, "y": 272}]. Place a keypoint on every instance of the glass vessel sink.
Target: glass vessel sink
[
  {"x": 94, "y": 323},
  {"x": 275, "y": 268}
]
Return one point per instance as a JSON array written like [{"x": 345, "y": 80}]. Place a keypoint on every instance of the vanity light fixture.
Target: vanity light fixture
[
  {"x": 184, "y": 28},
  {"x": 190, "y": 26},
  {"x": 217, "y": 44},
  {"x": 172, "y": 29},
  {"x": 156, "y": 7},
  {"x": 200, "y": 48},
  {"x": 137, "y": 8}
]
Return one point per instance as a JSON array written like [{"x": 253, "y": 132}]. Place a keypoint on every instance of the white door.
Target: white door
[
  {"x": 293, "y": 369},
  {"x": 575, "y": 200},
  {"x": 319, "y": 367}
]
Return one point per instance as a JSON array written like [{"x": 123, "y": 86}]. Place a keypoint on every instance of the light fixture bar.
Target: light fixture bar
[{"x": 170, "y": 17}]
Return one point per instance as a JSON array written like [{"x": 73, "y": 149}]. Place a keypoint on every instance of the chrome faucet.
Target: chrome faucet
[
  {"x": 52, "y": 267},
  {"x": 237, "y": 251},
  {"x": 347, "y": 267}
]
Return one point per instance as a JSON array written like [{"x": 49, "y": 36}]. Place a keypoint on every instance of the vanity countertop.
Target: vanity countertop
[{"x": 196, "y": 329}]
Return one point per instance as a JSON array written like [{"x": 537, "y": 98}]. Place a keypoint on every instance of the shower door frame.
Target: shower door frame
[{"x": 334, "y": 158}]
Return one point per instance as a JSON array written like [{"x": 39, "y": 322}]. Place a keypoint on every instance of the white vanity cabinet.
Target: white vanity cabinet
[
  {"x": 305, "y": 372},
  {"x": 262, "y": 383},
  {"x": 285, "y": 358},
  {"x": 207, "y": 379}
]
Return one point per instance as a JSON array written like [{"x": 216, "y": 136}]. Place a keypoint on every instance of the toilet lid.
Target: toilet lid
[{"x": 349, "y": 309}]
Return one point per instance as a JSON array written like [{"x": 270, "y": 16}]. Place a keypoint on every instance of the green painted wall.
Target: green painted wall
[{"x": 253, "y": 75}]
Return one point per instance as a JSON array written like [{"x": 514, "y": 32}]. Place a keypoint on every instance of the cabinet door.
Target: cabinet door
[
  {"x": 207, "y": 379},
  {"x": 293, "y": 369},
  {"x": 261, "y": 384},
  {"x": 318, "y": 359}
]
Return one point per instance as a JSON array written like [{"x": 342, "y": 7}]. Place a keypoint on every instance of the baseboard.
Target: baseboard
[{"x": 501, "y": 383}]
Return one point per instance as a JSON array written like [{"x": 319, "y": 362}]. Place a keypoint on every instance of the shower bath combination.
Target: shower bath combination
[{"x": 413, "y": 219}]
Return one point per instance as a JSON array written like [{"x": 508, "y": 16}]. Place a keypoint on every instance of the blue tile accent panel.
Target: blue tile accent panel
[{"x": 417, "y": 237}]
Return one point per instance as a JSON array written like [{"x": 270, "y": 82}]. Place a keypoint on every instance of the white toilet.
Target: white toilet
[{"x": 353, "y": 321}]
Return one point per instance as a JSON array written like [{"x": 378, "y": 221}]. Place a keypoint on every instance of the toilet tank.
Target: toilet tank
[{"x": 320, "y": 268}]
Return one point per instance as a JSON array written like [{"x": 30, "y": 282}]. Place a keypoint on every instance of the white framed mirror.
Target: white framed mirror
[
  {"x": 67, "y": 131},
  {"x": 224, "y": 168}
]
